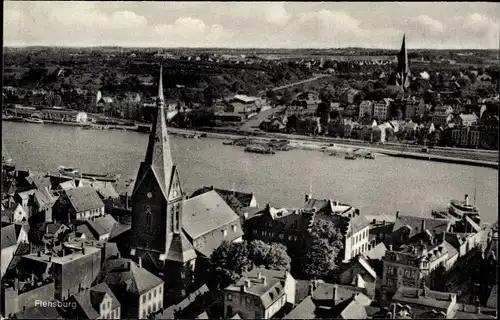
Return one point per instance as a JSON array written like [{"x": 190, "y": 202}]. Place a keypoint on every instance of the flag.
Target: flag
[{"x": 403, "y": 71}]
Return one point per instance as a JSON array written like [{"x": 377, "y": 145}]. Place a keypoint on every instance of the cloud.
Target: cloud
[
  {"x": 190, "y": 31},
  {"x": 428, "y": 25},
  {"x": 249, "y": 24}
]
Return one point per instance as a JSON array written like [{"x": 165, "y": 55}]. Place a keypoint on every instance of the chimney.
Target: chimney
[
  {"x": 308, "y": 197},
  {"x": 118, "y": 255},
  {"x": 39, "y": 254},
  {"x": 374, "y": 221},
  {"x": 46, "y": 228},
  {"x": 140, "y": 262},
  {"x": 32, "y": 279},
  {"x": 423, "y": 225},
  {"x": 259, "y": 275},
  {"x": 50, "y": 258},
  {"x": 335, "y": 296},
  {"x": 466, "y": 199},
  {"x": 397, "y": 214},
  {"x": 263, "y": 280},
  {"x": 245, "y": 215}
]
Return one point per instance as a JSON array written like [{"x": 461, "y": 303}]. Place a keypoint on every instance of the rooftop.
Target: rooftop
[
  {"x": 89, "y": 300},
  {"x": 433, "y": 299},
  {"x": 84, "y": 198},
  {"x": 124, "y": 271},
  {"x": 266, "y": 284},
  {"x": 204, "y": 213}
]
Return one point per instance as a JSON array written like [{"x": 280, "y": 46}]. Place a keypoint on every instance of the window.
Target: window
[
  {"x": 159, "y": 290},
  {"x": 281, "y": 236},
  {"x": 235, "y": 228},
  {"x": 149, "y": 296},
  {"x": 144, "y": 299},
  {"x": 144, "y": 314},
  {"x": 295, "y": 224},
  {"x": 229, "y": 297},
  {"x": 154, "y": 306},
  {"x": 177, "y": 217},
  {"x": 109, "y": 304},
  {"x": 154, "y": 293}
]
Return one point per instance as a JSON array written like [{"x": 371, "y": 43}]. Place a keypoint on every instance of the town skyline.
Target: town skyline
[{"x": 250, "y": 25}]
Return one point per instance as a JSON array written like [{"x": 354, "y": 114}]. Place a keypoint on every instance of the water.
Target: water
[{"x": 380, "y": 186}]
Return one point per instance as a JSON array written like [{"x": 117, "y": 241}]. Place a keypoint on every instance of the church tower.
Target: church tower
[{"x": 157, "y": 238}]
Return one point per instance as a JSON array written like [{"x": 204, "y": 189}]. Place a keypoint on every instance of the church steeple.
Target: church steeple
[{"x": 158, "y": 154}]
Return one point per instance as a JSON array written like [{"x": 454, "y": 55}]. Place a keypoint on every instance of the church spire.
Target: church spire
[{"x": 158, "y": 155}]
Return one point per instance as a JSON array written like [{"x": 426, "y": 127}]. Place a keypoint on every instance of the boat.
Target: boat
[
  {"x": 350, "y": 157},
  {"x": 228, "y": 143},
  {"x": 260, "y": 149},
  {"x": 33, "y": 120},
  {"x": 369, "y": 156},
  {"x": 76, "y": 173},
  {"x": 460, "y": 209},
  {"x": 87, "y": 127}
]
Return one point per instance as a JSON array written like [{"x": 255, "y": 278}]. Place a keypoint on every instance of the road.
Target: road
[{"x": 319, "y": 76}]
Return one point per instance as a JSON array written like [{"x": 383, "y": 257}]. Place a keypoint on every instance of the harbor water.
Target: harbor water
[{"x": 381, "y": 186}]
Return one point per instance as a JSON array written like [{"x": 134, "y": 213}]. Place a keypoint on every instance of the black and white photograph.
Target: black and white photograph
[{"x": 249, "y": 160}]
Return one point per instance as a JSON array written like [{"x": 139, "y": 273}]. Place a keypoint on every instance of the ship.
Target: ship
[
  {"x": 370, "y": 156},
  {"x": 259, "y": 149},
  {"x": 33, "y": 120},
  {"x": 460, "y": 209}
]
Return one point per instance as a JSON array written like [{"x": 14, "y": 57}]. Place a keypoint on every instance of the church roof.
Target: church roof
[
  {"x": 158, "y": 155},
  {"x": 181, "y": 249}
]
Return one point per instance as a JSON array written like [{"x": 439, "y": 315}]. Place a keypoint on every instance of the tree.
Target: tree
[
  {"x": 326, "y": 243},
  {"x": 326, "y": 94},
  {"x": 270, "y": 256},
  {"x": 228, "y": 262}
]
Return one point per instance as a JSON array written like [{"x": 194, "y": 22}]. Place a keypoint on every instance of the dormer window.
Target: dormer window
[
  {"x": 234, "y": 227},
  {"x": 224, "y": 232}
]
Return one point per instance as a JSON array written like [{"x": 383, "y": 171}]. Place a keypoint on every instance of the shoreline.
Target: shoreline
[{"x": 321, "y": 144}]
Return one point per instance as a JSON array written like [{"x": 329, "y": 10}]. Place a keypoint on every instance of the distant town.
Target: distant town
[{"x": 88, "y": 245}]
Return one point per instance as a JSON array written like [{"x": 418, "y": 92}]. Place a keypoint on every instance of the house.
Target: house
[
  {"x": 349, "y": 96},
  {"x": 139, "y": 292},
  {"x": 422, "y": 300},
  {"x": 366, "y": 108},
  {"x": 35, "y": 181},
  {"x": 79, "y": 203},
  {"x": 43, "y": 202},
  {"x": 23, "y": 197},
  {"x": 411, "y": 107},
  {"x": 17, "y": 213},
  {"x": 259, "y": 294},
  {"x": 175, "y": 310},
  {"x": 359, "y": 273},
  {"x": 333, "y": 301},
  {"x": 11, "y": 236},
  {"x": 71, "y": 273},
  {"x": 406, "y": 227},
  {"x": 100, "y": 228},
  {"x": 238, "y": 201},
  {"x": 208, "y": 221},
  {"x": 466, "y": 119},
  {"x": 97, "y": 302},
  {"x": 466, "y": 136},
  {"x": 381, "y": 109}
]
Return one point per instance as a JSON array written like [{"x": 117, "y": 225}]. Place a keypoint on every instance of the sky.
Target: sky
[{"x": 439, "y": 25}]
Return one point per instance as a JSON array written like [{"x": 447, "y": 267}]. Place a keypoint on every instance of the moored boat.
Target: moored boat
[
  {"x": 76, "y": 173},
  {"x": 370, "y": 156},
  {"x": 228, "y": 143},
  {"x": 461, "y": 209},
  {"x": 350, "y": 157},
  {"x": 33, "y": 120},
  {"x": 259, "y": 149}
]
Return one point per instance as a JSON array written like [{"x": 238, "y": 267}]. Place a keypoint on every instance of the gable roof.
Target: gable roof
[
  {"x": 83, "y": 199},
  {"x": 492, "y": 298},
  {"x": 205, "y": 213},
  {"x": 304, "y": 310},
  {"x": 8, "y": 236},
  {"x": 244, "y": 198},
  {"x": 434, "y": 299},
  {"x": 181, "y": 250},
  {"x": 377, "y": 252},
  {"x": 139, "y": 280},
  {"x": 268, "y": 291},
  {"x": 431, "y": 224},
  {"x": 89, "y": 300},
  {"x": 44, "y": 197},
  {"x": 103, "y": 188},
  {"x": 39, "y": 181}
]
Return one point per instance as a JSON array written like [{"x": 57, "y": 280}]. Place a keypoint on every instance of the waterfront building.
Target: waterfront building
[
  {"x": 358, "y": 272},
  {"x": 366, "y": 108},
  {"x": 259, "y": 294},
  {"x": 381, "y": 109},
  {"x": 169, "y": 231},
  {"x": 411, "y": 107}
]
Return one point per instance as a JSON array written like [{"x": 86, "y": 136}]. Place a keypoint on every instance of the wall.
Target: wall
[
  {"x": 246, "y": 304},
  {"x": 13, "y": 302},
  {"x": 290, "y": 285},
  {"x": 7, "y": 255},
  {"x": 20, "y": 214},
  {"x": 214, "y": 238},
  {"x": 360, "y": 246},
  {"x": 153, "y": 303},
  {"x": 80, "y": 272},
  {"x": 275, "y": 307}
]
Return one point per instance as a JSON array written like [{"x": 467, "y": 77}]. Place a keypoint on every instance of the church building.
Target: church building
[{"x": 170, "y": 234}]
